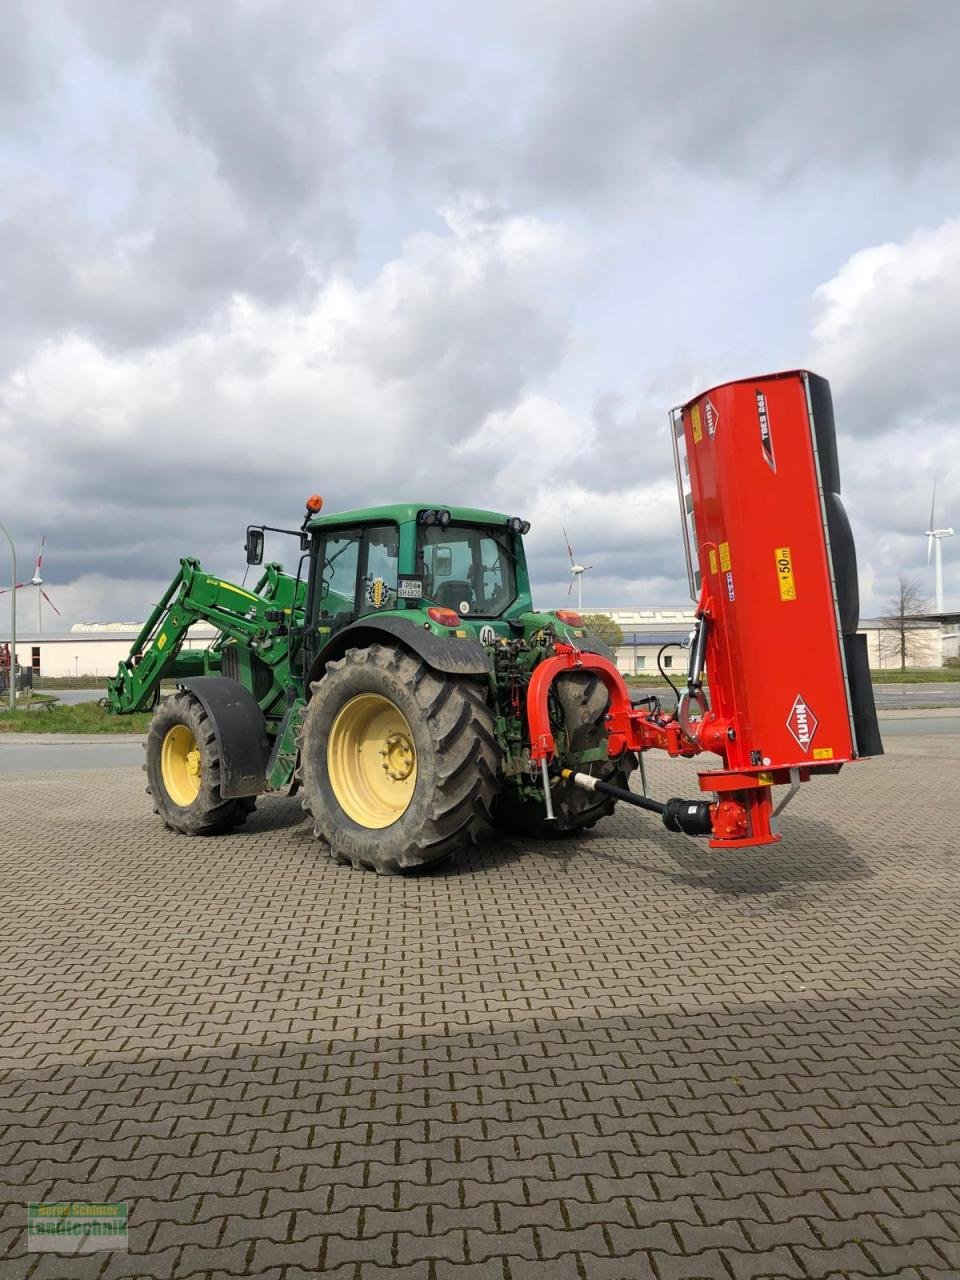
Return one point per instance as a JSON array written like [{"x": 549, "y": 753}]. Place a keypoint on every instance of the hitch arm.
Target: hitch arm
[{"x": 742, "y": 814}]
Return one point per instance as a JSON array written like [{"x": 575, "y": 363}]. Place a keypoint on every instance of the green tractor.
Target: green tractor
[
  {"x": 385, "y": 682},
  {"x": 403, "y": 683}
]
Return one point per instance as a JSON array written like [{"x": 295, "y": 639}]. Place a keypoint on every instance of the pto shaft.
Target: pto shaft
[{"x": 692, "y": 817}]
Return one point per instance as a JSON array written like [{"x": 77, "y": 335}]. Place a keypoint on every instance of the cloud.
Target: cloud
[
  {"x": 364, "y": 395},
  {"x": 630, "y": 91},
  {"x": 163, "y": 160},
  {"x": 886, "y": 332},
  {"x": 237, "y": 264}
]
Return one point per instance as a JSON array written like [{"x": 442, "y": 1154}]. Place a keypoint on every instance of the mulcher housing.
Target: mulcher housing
[{"x": 442, "y": 594}]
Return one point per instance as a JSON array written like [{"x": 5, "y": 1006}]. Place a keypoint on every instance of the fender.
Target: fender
[
  {"x": 466, "y": 657},
  {"x": 241, "y": 732}
]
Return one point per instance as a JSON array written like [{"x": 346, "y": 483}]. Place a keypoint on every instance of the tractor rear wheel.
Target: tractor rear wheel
[
  {"x": 183, "y": 770},
  {"x": 398, "y": 763},
  {"x": 580, "y": 705}
]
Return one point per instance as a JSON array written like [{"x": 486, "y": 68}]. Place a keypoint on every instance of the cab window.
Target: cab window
[
  {"x": 468, "y": 569},
  {"x": 378, "y": 582},
  {"x": 339, "y": 560}
]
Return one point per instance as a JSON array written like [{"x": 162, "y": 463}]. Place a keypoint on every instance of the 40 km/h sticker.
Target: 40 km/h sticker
[{"x": 788, "y": 588}]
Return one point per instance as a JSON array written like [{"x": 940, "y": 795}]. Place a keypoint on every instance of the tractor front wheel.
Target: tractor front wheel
[
  {"x": 398, "y": 763},
  {"x": 183, "y": 770}
]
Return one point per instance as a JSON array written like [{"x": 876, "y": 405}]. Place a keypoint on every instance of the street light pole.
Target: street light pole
[{"x": 13, "y": 622}]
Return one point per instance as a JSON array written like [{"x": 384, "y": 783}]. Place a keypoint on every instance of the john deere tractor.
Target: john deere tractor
[
  {"x": 403, "y": 683},
  {"x": 385, "y": 681}
]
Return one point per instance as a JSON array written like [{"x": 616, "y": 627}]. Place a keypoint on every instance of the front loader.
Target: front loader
[{"x": 402, "y": 682}]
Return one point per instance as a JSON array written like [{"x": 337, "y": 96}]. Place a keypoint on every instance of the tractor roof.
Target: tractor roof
[{"x": 403, "y": 512}]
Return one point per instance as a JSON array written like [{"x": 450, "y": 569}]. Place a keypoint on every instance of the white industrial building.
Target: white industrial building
[
  {"x": 924, "y": 643},
  {"x": 97, "y": 648},
  {"x": 90, "y": 648},
  {"x": 645, "y": 631}
]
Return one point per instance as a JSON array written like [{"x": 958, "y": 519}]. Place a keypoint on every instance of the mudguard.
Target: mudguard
[
  {"x": 453, "y": 656},
  {"x": 241, "y": 732}
]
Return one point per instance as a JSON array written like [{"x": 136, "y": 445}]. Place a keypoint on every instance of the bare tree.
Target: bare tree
[{"x": 901, "y": 641}]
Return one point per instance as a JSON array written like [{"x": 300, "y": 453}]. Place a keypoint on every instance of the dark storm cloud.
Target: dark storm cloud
[
  {"x": 759, "y": 90},
  {"x": 219, "y": 144}
]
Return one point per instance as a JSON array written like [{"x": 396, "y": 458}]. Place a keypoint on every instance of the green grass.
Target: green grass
[
  {"x": 81, "y": 682},
  {"x": 655, "y": 681},
  {"x": 85, "y": 717},
  {"x": 919, "y": 675}
]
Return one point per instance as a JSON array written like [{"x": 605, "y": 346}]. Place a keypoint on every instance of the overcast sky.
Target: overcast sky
[{"x": 252, "y": 250}]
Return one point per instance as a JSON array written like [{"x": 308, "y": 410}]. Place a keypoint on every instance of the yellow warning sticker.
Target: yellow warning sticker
[
  {"x": 162, "y": 640},
  {"x": 788, "y": 588},
  {"x": 713, "y": 561},
  {"x": 725, "y": 557},
  {"x": 696, "y": 424},
  {"x": 823, "y": 753}
]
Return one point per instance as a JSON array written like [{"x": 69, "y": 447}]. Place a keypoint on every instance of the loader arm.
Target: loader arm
[{"x": 258, "y": 620}]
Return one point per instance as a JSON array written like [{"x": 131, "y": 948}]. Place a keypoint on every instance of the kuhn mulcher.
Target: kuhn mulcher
[{"x": 403, "y": 683}]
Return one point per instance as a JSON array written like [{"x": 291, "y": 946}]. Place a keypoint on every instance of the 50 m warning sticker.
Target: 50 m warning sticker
[{"x": 785, "y": 580}]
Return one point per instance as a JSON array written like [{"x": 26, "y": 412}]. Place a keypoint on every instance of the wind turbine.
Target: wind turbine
[
  {"x": 577, "y": 571},
  {"x": 935, "y": 537},
  {"x": 36, "y": 581}
]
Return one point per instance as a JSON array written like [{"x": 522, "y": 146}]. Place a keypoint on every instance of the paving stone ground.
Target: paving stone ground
[{"x": 615, "y": 1057}]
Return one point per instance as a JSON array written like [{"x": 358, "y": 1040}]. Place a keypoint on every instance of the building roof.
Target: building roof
[
  {"x": 892, "y": 624},
  {"x": 650, "y": 614},
  {"x": 634, "y": 638},
  {"x": 98, "y": 632},
  {"x": 122, "y": 629}
]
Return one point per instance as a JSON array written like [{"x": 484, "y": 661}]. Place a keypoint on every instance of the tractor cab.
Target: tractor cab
[{"x": 446, "y": 569}]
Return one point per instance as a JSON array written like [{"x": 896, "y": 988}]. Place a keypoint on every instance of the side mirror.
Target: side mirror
[{"x": 254, "y": 545}]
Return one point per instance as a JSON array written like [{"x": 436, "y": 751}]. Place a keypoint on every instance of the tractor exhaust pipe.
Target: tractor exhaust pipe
[{"x": 691, "y": 817}]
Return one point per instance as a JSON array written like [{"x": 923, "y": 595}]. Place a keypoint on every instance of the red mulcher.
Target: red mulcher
[{"x": 773, "y": 569}]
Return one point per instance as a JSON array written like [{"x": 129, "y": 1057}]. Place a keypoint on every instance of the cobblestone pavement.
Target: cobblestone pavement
[{"x": 617, "y": 1057}]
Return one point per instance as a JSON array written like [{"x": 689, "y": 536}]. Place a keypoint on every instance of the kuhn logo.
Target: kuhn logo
[
  {"x": 712, "y": 418},
  {"x": 802, "y": 723}
]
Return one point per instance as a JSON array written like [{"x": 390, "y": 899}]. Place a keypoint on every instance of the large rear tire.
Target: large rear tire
[
  {"x": 183, "y": 770},
  {"x": 398, "y": 763},
  {"x": 580, "y": 703}
]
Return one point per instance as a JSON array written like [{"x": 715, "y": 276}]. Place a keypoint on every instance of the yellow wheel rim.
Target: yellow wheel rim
[
  {"x": 372, "y": 760},
  {"x": 180, "y": 766}
]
